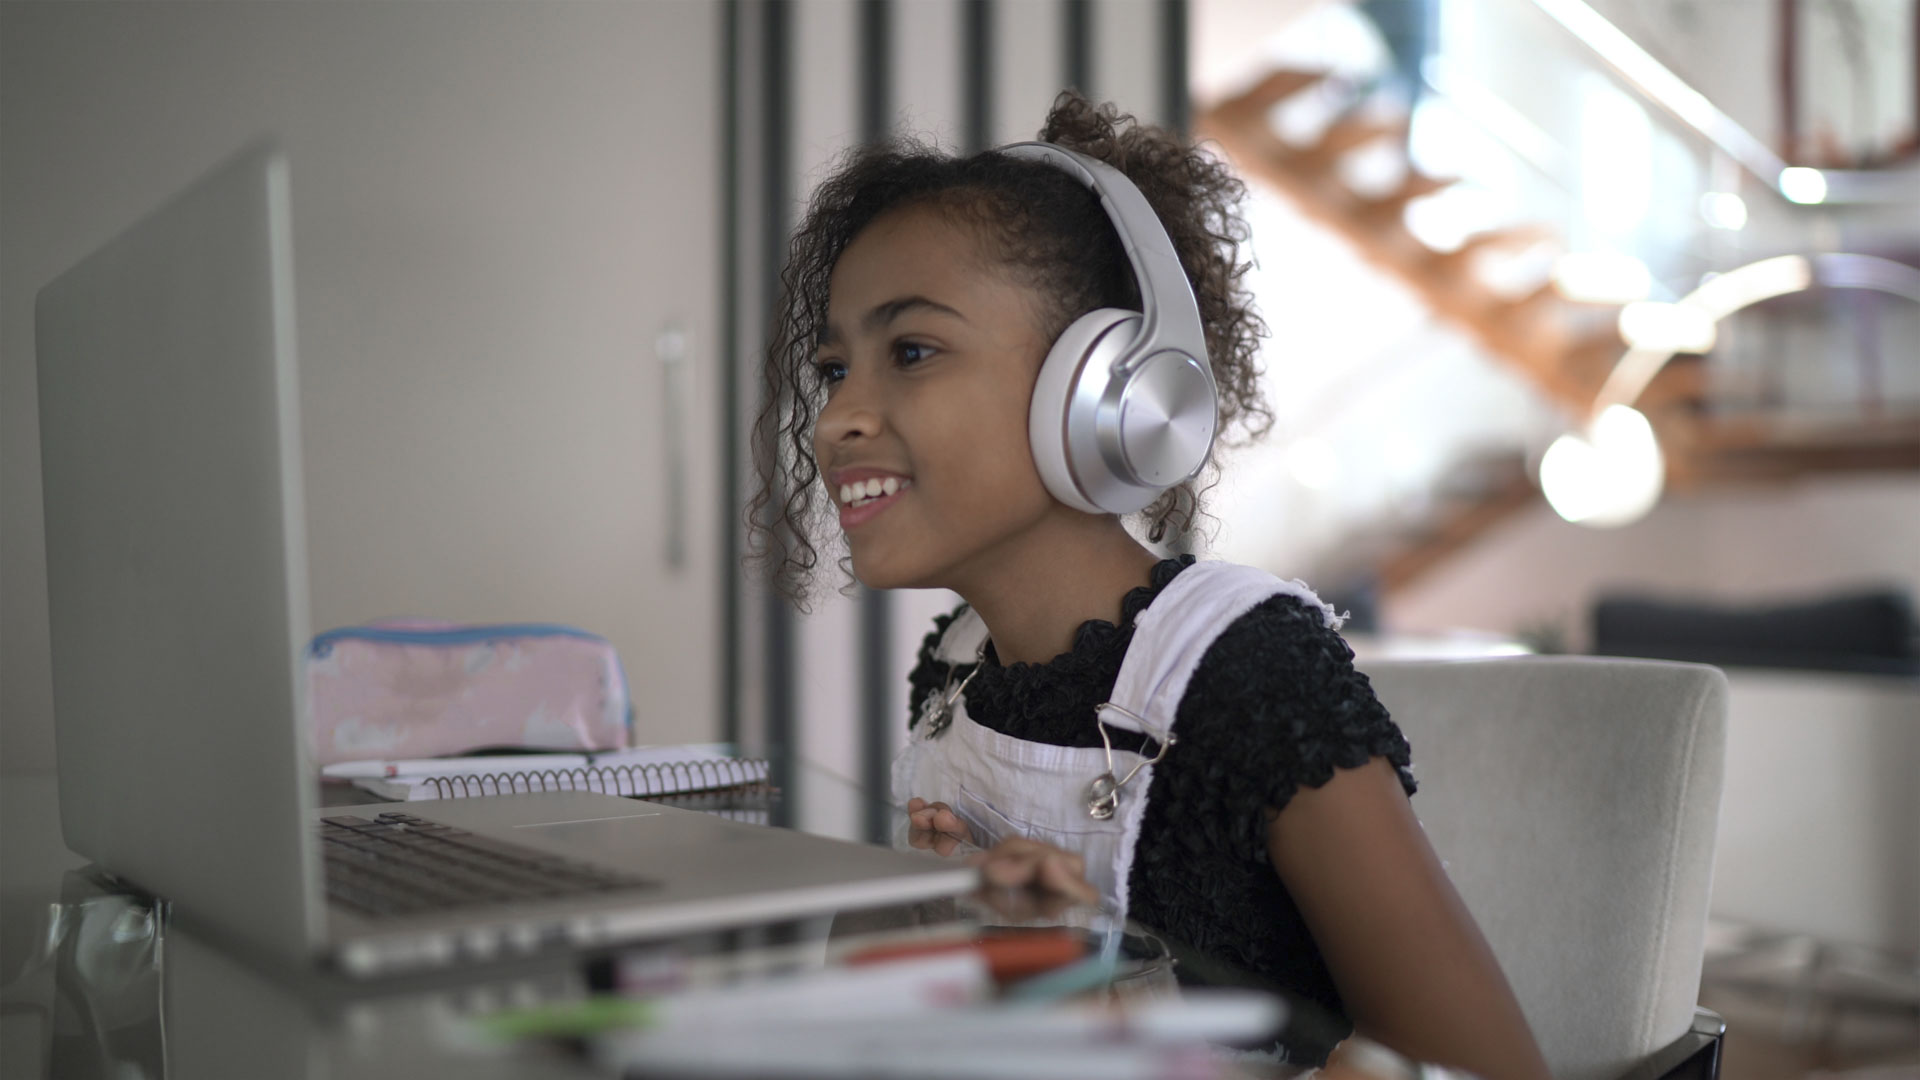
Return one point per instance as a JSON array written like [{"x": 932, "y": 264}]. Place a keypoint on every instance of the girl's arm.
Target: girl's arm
[{"x": 1409, "y": 961}]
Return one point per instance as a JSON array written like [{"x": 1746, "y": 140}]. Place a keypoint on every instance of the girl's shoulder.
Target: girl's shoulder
[
  {"x": 1280, "y": 639},
  {"x": 1273, "y": 610},
  {"x": 1278, "y": 691},
  {"x": 1207, "y": 608},
  {"x": 1234, "y": 587}
]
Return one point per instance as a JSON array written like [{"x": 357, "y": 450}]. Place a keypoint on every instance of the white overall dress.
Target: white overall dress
[{"x": 1003, "y": 786}]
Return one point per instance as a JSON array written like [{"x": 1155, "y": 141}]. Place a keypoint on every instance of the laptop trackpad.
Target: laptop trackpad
[
  {"x": 603, "y": 839},
  {"x": 560, "y": 828}
]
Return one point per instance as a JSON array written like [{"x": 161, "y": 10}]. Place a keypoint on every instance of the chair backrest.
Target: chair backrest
[{"x": 1574, "y": 803}]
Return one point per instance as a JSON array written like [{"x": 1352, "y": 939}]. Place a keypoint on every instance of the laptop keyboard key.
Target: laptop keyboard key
[{"x": 401, "y": 864}]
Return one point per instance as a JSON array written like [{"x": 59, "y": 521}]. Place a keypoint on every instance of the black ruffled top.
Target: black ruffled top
[{"x": 1275, "y": 704}]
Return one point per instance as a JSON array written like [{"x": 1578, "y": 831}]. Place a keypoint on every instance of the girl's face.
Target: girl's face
[{"x": 929, "y": 356}]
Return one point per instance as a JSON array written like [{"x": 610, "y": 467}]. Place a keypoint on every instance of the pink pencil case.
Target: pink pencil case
[{"x": 416, "y": 688}]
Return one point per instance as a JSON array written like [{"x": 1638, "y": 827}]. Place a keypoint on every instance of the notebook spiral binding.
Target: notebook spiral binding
[{"x": 680, "y": 782}]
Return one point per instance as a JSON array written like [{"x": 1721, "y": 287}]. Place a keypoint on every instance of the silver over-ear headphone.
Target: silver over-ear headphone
[{"x": 1125, "y": 406}]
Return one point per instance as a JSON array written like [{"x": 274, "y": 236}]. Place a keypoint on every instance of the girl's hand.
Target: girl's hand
[
  {"x": 935, "y": 827},
  {"x": 1018, "y": 862}
]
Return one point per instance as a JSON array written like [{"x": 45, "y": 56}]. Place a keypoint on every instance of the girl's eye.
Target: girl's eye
[
  {"x": 831, "y": 372},
  {"x": 907, "y": 353}
]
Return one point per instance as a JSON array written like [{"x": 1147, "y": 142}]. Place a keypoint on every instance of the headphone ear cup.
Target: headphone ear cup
[{"x": 1083, "y": 353}]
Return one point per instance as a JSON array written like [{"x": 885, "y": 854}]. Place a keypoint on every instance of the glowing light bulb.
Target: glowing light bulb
[
  {"x": 1669, "y": 328},
  {"x": 1803, "y": 185},
  {"x": 1609, "y": 476},
  {"x": 1601, "y": 277},
  {"x": 1723, "y": 210}
]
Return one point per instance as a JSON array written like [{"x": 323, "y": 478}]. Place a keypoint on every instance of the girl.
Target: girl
[{"x": 1188, "y": 742}]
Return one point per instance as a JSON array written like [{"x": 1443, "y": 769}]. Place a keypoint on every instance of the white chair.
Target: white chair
[{"x": 1574, "y": 803}]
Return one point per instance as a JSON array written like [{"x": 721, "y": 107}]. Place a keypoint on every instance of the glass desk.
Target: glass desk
[{"x": 100, "y": 981}]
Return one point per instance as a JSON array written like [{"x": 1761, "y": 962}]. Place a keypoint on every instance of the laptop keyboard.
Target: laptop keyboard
[{"x": 398, "y": 864}]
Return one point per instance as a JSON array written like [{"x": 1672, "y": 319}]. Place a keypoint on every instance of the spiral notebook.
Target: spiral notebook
[{"x": 686, "y": 775}]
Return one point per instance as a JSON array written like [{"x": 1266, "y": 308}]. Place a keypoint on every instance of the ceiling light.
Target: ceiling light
[
  {"x": 1671, "y": 328},
  {"x": 1724, "y": 210},
  {"x": 1803, "y": 185},
  {"x": 1609, "y": 476},
  {"x": 1720, "y": 295},
  {"x": 1601, "y": 277}
]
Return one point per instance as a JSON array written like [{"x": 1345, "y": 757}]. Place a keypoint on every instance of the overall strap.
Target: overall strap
[
  {"x": 1175, "y": 632},
  {"x": 1169, "y": 640},
  {"x": 960, "y": 644}
]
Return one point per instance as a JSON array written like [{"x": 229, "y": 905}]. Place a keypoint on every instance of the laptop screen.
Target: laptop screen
[{"x": 176, "y": 557}]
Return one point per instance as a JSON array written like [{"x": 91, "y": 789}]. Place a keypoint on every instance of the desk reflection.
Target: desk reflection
[
  {"x": 120, "y": 986},
  {"x": 137, "y": 995}
]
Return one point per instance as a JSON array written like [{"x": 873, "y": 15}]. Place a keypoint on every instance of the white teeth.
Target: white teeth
[{"x": 861, "y": 492}]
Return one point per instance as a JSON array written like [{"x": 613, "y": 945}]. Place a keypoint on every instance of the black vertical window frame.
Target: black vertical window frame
[
  {"x": 730, "y": 433},
  {"x": 977, "y": 74},
  {"x": 1175, "y": 107},
  {"x": 1176, "y": 115},
  {"x": 876, "y": 69},
  {"x": 876, "y": 607},
  {"x": 776, "y": 92},
  {"x": 1076, "y": 44}
]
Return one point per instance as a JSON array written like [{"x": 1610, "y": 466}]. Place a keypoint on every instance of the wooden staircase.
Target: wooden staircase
[{"x": 1562, "y": 347}]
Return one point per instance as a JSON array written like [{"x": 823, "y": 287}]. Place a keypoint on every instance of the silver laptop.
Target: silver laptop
[{"x": 177, "y": 571}]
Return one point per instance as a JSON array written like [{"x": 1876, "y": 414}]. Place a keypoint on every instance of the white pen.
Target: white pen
[
  {"x": 1217, "y": 1015},
  {"x": 1149, "y": 1039}
]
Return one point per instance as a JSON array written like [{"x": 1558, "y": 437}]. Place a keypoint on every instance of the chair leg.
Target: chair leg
[{"x": 1802, "y": 997}]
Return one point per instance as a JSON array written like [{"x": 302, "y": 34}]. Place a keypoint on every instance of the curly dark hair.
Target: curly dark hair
[{"x": 1050, "y": 233}]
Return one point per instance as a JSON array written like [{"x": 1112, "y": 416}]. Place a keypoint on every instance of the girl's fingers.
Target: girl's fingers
[
  {"x": 946, "y": 821},
  {"x": 1019, "y": 862},
  {"x": 1066, "y": 875},
  {"x": 934, "y": 826},
  {"x": 1008, "y": 869},
  {"x": 938, "y": 817},
  {"x": 1016, "y": 862}
]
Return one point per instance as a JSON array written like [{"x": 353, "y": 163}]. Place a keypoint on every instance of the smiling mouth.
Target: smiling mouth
[
  {"x": 866, "y": 492},
  {"x": 861, "y": 500}
]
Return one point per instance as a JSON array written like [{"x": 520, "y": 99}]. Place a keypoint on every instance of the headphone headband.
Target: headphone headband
[
  {"x": 1125, "y": 404},
  {"x": 1172, "y": 315}
]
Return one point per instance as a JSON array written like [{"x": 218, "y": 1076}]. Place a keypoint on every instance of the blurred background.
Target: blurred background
[{"x": 1595, "y": 328}]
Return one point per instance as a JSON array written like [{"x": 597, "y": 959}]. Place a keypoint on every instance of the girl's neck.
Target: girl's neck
[{"x": 1076, "y": 568}]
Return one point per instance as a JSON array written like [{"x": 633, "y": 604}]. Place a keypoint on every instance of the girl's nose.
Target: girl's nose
[{"x": 850, "y": 413}]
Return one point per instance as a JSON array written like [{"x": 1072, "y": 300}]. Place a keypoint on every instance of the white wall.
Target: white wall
[
  {"x": 1819, "y": 815},
  {"x": 1740, "y": 545},
  {"x": 498, "y": 207}
]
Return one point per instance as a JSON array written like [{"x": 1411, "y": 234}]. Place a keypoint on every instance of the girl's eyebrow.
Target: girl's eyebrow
[{"x": 886, "y": 312}]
